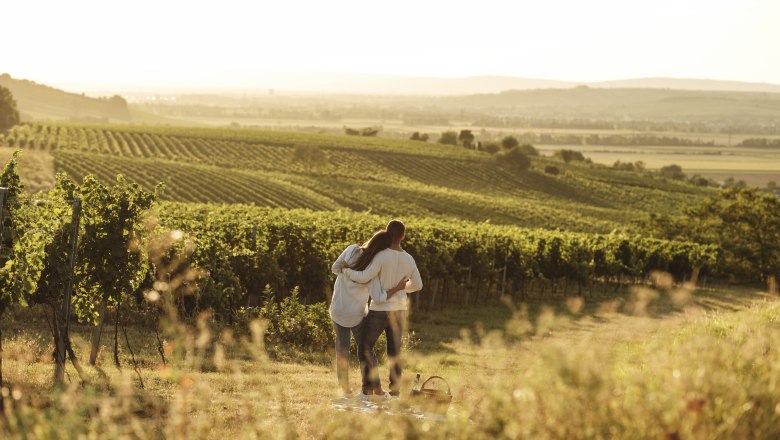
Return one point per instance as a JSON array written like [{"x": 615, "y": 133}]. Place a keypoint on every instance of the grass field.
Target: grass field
[{"x": 560, "y": 369}]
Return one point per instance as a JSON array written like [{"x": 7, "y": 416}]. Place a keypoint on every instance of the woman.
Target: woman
[{"x": 350, "y": 300}]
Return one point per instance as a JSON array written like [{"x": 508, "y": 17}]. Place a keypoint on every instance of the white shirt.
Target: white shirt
[
  {"x": 390, "y": 266},
  {"x": 350, "y": 299}
]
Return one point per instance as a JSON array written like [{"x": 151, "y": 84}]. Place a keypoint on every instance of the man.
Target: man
[{"x": 388, "y": 316}]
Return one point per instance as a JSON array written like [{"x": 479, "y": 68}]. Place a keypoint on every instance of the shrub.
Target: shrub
[
  {"x": 509, "y": 142},
  {"x": 416, "y": 136},
  {"x": 291, "y": 324},
  {"x": 550, "y": 169},
  {"x": 672, "y": 171},
  {"x": 491, "y": 147},
  {"x": 699, "y": 180},
  {"x": 449, "y": 138},
  {"x": 570, "y": 155},
  {"x": 513, "y": 158}
]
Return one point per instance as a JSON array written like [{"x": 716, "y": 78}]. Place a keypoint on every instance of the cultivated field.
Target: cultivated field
[
  {"x": 330, "y": 172},
  {"x": 724, "y": 159}
]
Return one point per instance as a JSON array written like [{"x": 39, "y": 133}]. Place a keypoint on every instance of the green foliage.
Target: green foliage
[
  {"x": 491, "y": 147},
  {"x": 366, "y": 131},
  {"x": 449, "y": 138},
  {"x": 466, "y": 138},
  {"x": 111, "y": 263},
  {"x": 553, "y": 170},
  {"x": 672, "y": 171},
  {"x": 11, "y": 290},
  {"x": 223, "y": 247},
  {"x": 570, "y": 155},
  {"x": 416, "y": 136},
  {"x": 513, "y": 159},
  {"x": 743, "y": 222},
  {"x": 509, "y": 142},
  {"x": 9, "y": 114},
  {"x": 289, "y": 323},
  {"x": 629, "y": 166}
]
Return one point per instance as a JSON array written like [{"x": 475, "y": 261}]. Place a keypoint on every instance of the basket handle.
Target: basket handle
[{"x": 449, "y": 391}]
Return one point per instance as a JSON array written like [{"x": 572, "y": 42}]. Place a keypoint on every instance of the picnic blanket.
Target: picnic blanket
[{"x": 393, "y": 407}]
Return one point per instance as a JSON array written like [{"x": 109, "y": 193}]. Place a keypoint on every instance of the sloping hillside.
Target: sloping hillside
[
  {"x": 330, "y": 172},
  {"x": 40, "y": 102}
]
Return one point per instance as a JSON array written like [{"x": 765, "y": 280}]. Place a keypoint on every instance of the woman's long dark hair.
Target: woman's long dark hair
[{"x": 379, "y": 242}]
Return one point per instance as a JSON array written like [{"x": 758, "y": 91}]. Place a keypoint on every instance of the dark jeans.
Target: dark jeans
[
  {"x": 342, "y": 351},
  {"x": 393, "y": 324}
]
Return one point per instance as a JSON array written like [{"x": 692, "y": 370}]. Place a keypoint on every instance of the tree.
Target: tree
[
  {"x": 491, "y": 147},
  {"x": 513, "y": 158},
  {"x": 9, "y": 114},
  {"x": 570, "y": 155},
  {"x": 673, "y": 171},
  {"x": 449, "y": 138},
  {"x": 699, "y": 180},
  {"x": 509, "y": 142},
  {"x": 466, "y": 138},
  {"x": 743, "y": 222},
  {"x": 416, "y": 136}
]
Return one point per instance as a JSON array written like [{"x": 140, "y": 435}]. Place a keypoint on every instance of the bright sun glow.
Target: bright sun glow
[{"x": 231, "y": 43}]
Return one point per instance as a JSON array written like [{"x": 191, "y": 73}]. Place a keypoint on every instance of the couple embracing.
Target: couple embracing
[{"x": 383, "y": 272}]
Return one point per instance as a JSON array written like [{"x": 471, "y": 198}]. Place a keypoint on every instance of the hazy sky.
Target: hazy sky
[{"x": 225, "y": 43}]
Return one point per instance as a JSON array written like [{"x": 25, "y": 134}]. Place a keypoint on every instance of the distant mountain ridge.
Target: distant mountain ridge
[
  {"x": 418, "y": 85},
  {"x": 690, "y": 84},
  {"x": 41, "y": 102}
]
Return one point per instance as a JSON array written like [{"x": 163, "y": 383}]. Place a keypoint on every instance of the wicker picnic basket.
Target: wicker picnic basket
[{"x": 432, "y": 394}]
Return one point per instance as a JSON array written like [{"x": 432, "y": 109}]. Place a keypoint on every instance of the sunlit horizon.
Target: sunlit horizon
[{"x": 93, "y": 45}]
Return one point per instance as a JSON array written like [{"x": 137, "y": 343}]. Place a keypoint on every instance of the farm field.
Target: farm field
[
  {"x": 511, "y": 374},
  {"x": 724, "y": 159},
  {"x": 756, "y": 166},
  {"x": 330, "y": 172}
]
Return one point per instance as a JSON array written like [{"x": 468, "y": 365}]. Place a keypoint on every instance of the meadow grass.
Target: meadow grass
[{"x": 641, "y": 364}]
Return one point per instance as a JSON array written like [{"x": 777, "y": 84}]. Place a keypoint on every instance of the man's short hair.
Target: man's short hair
[{"x": 396, "y": 229}]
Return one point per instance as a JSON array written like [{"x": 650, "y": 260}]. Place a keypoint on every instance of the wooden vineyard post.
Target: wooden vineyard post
[
  {"x": 64, "y": 324},
  {"x": 254, "y": 238},
  {"x": 3, "y": 195},
  {"x": 503, "y": 277},
  {"x": 253, "y": 244}
]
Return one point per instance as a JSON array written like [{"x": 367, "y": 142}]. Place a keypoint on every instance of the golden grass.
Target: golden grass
[{"x": 497, "y": 361}]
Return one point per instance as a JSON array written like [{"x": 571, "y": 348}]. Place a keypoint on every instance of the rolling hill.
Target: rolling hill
[
  {"x": 336, "y": 172},
  {"x": 40, "y": 102}
]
